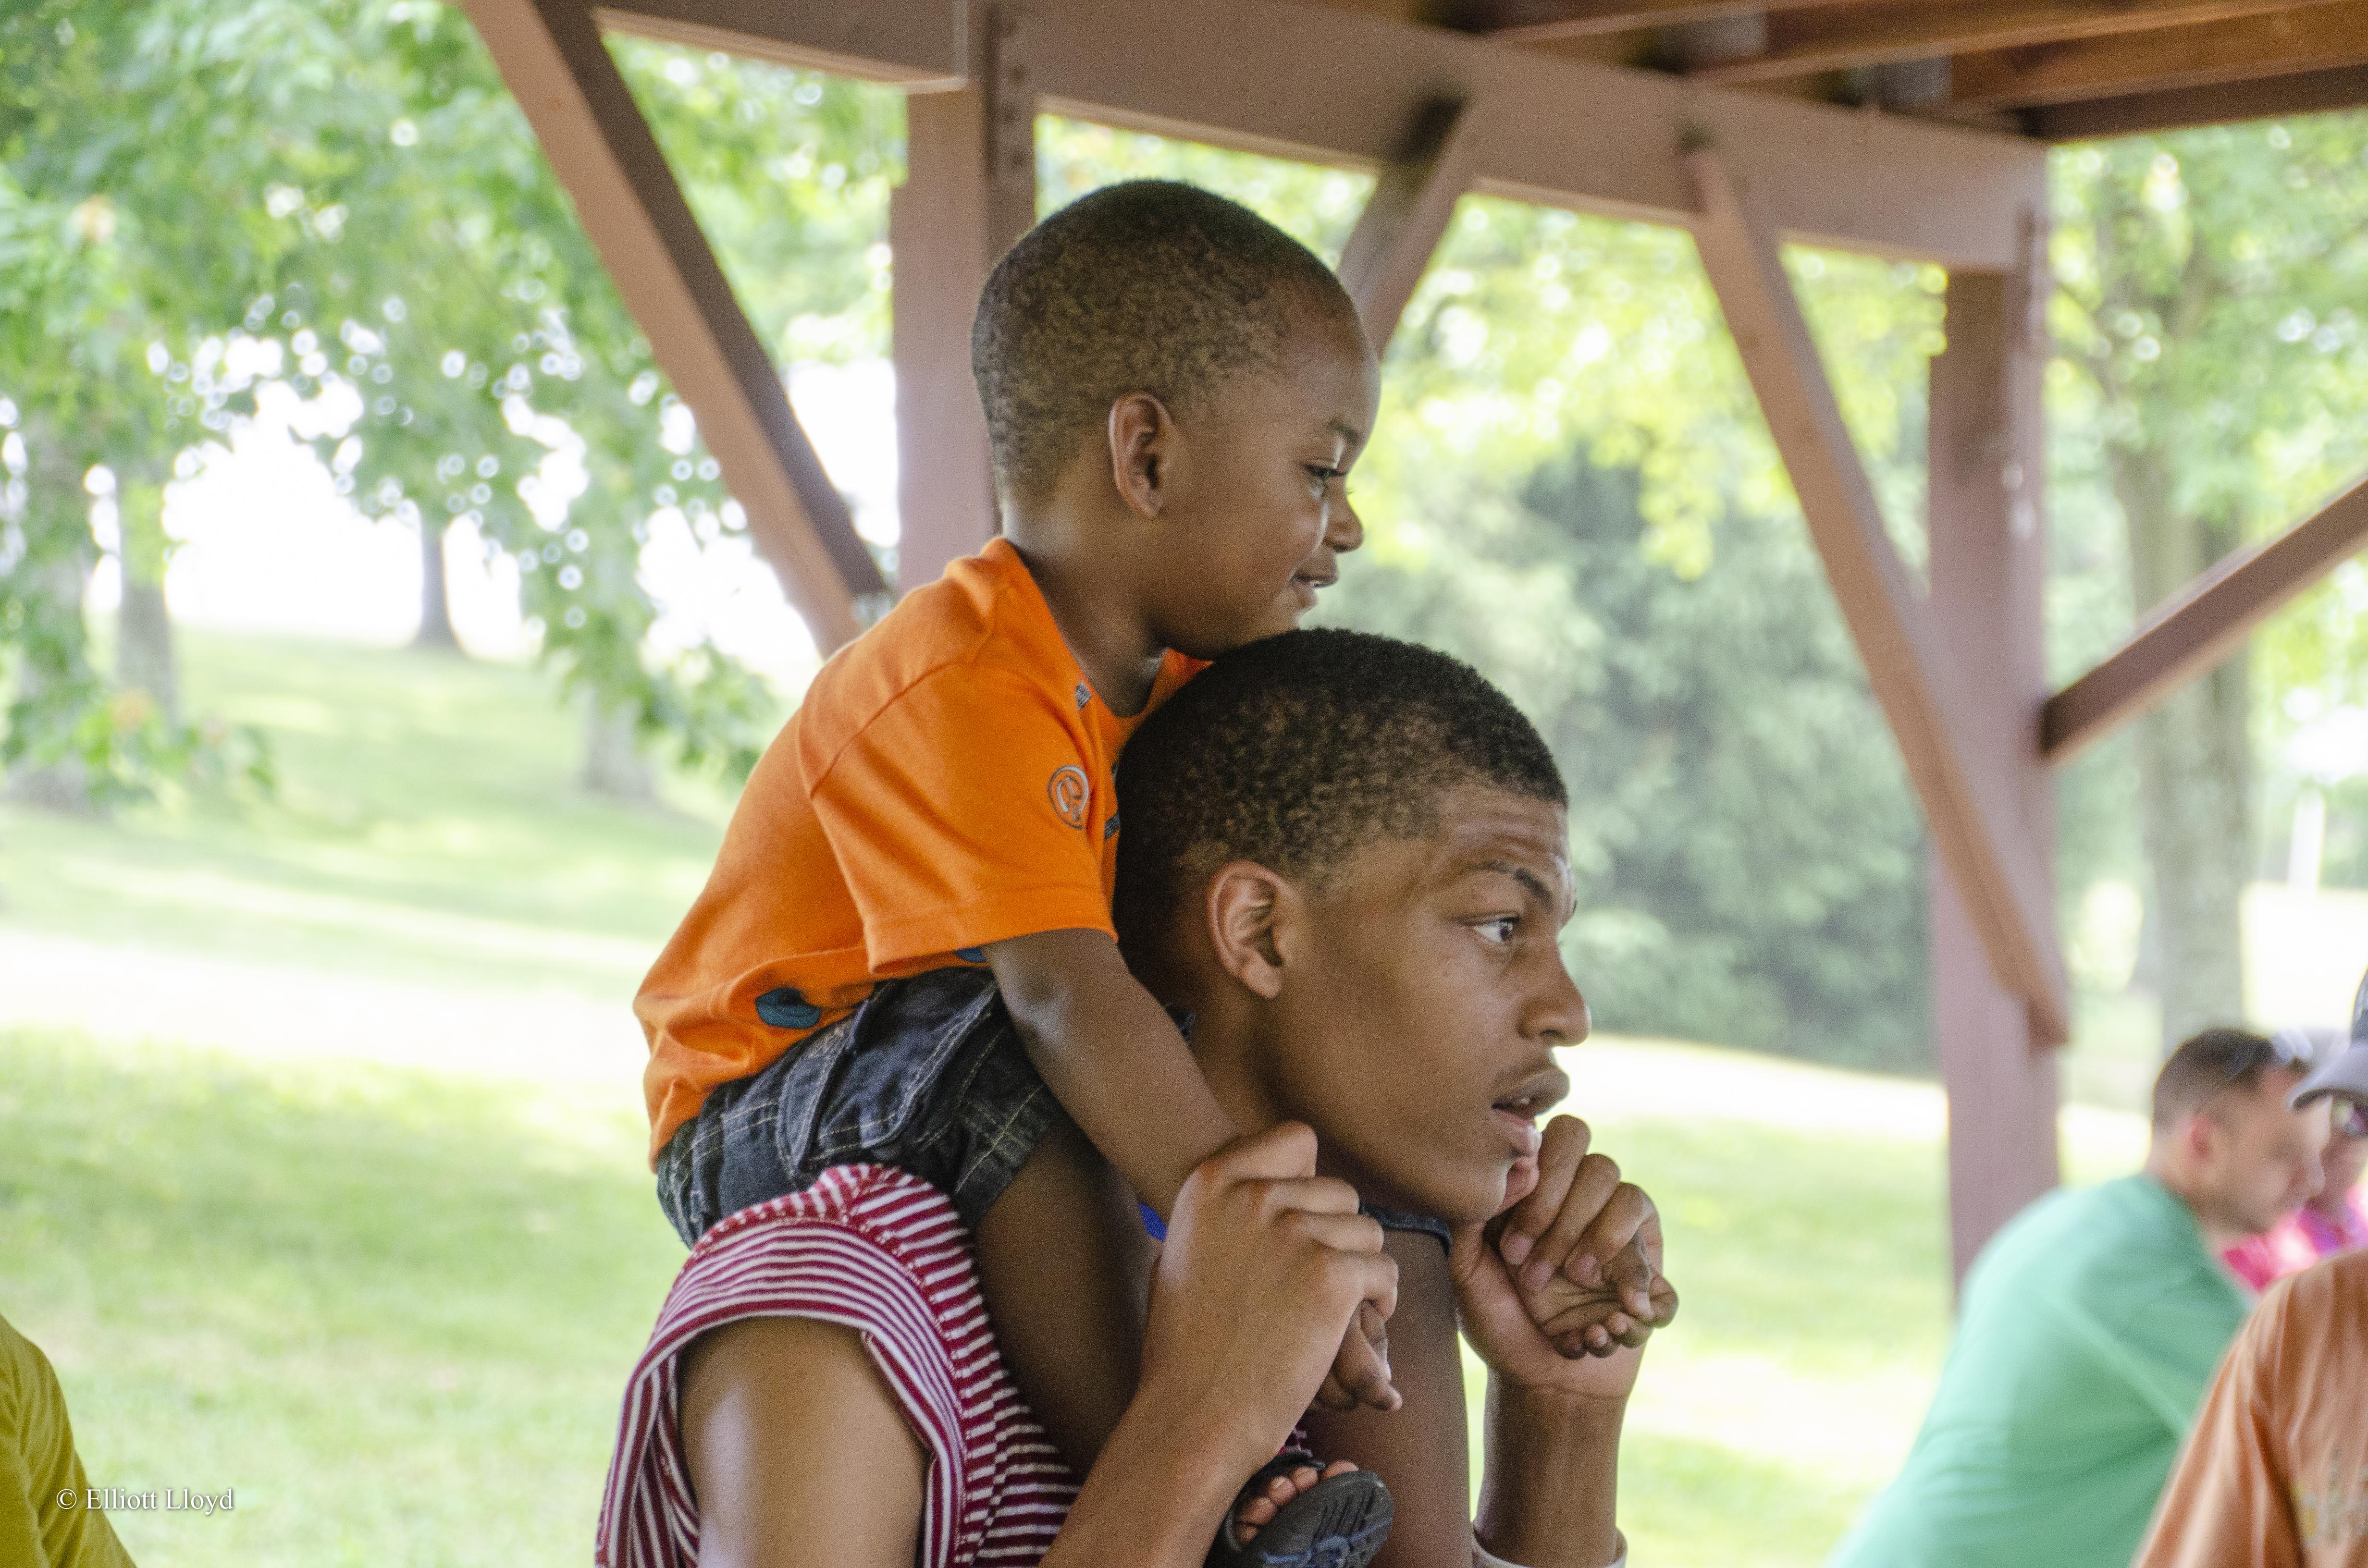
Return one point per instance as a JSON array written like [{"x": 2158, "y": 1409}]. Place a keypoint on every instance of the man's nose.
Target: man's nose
[{"x": 1558, "y": 1014}]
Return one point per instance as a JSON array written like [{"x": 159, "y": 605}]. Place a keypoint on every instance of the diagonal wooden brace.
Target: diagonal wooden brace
[
  {"x": 1412, "y": 204},
  {"x": 1977, "y": 834},
  {"x": 551, "y": 55},
  {"x": 2193, "y": 631}
]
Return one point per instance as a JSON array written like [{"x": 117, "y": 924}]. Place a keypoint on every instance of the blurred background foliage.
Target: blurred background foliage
[{"x": 331, "y": 210}]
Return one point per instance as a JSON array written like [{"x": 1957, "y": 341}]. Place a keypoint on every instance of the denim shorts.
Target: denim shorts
[{"x": 927, "y": 1075}]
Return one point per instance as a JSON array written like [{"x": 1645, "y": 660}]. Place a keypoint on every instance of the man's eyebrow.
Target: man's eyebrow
[{"x": 1523, "y": 875}]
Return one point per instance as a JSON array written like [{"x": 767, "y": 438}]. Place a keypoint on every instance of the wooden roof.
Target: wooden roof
[{"x": 2054, "y": 70}]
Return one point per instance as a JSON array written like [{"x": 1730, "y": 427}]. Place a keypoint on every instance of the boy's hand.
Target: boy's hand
[
  {"x": 1360, "y": 1377},
  {"x": 1583, "y": 1249}
]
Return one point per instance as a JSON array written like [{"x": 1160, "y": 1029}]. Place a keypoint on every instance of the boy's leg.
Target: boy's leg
[{"x": 1065, "y": 1266}]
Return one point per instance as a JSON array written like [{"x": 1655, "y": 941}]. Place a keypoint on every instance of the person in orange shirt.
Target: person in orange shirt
[
  {"x": 2275, "y": 1474},
  {"x": 920, "y": 868}
]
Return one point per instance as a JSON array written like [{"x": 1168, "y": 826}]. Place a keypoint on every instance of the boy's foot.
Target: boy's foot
[{"x": 1299, "y": 1513}]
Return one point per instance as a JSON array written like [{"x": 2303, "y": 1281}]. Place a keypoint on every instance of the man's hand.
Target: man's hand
[
  {"x": 1594, "y": 1248},
  {"x": 1266, "y": 1267},
  {"x": 1584, "y": 1247}
]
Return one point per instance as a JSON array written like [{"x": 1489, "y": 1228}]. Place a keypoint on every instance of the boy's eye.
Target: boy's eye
[
  {"x": 1501, "y": 929},
  {"x": 1324, "y": 476}
]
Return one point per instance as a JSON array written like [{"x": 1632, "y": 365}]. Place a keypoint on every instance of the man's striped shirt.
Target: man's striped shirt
[{"x": 881, "y": 1251}]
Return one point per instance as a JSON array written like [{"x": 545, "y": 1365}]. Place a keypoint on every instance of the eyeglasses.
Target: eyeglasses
[{"x": 2288, "y": 1049}]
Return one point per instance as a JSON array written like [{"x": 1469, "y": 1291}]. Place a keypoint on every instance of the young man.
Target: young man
[
  {"x": 2276, "y": 1475},
  {"x": 1348, "y": 859},
  {"x": 2089, "y": 1328},
  {"x": 1174, "y": 390}
]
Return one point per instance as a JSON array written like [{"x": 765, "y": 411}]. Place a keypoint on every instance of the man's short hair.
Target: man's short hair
[
  {"x": 1145, "y": 287},
  {"x": 1295, "y": 751},
  {"x": 2208, "y": 1065}
]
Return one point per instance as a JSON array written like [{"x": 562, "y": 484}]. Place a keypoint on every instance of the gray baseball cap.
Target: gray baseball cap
[{"x": 2346, "y": 1071}]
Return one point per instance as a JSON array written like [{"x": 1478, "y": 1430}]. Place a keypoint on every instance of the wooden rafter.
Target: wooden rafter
[
  {"x": 2307, "y": 38},
  {"x": 1547, "y": 21},
  {"x": 1336, "y": 87},
  {"x": 1976, "y": 832},
  {"x": 1402, "y": 222},
  {"x": 550, "y": 53},
  {"x": 1837, "y": 37},
  {"x": 2188, "y": 633},
  {"x": 2312, "y": 92}
]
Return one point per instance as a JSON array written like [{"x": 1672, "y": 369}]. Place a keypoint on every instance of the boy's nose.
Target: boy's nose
[{"x": 1343, "y": 529}]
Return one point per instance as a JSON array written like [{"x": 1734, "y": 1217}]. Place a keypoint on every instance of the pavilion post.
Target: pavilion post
[
  {"x": 1987, "y": 573},
  {"x": 969, "y": 192}
]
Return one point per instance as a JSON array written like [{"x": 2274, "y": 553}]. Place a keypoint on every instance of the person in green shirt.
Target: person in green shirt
[
  {"x": 2090, "y": 1327},
  {"x": 44, "y": 1519}
]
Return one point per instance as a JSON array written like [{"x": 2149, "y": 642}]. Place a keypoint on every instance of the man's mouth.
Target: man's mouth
[{"x": 1533, "y": 1098}]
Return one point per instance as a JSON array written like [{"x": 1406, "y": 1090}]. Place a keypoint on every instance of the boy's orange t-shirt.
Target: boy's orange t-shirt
[{"x": 948, "y": 782}]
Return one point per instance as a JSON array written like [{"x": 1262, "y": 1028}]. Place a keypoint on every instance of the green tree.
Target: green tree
[
  {"x": 206, "y": 201},
  {"x": 2209, "y": 313}
]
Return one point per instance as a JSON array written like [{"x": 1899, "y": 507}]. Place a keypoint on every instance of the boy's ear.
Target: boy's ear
[
  {"x": 1250, "y": 909},
  {"x": 1142, "y": 447}
]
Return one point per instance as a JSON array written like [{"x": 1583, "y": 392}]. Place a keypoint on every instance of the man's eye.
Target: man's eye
[{"x": 1500, "y": 930}]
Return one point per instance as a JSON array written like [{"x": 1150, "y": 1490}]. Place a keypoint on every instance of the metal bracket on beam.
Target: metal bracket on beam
[
  {"x": 550, "y": 54},
  {"x": 2195, "y": 629},
  {"x": 1407, "y": 215},
  {"x": 1976, "y": 834}
]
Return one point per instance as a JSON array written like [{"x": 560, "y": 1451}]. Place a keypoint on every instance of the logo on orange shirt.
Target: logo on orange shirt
[{"x": 1069, "y": 792}]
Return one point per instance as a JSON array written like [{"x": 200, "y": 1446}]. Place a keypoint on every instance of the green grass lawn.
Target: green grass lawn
[{"x": 393, "y": 1307}]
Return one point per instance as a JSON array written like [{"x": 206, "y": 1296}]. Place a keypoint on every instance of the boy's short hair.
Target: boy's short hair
[
  {"x": 1145, "y": 287},
  {"x": 1296, "y": 751}
]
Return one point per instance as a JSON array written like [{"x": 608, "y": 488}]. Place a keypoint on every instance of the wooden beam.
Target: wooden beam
[
  {"x": 550, "y": 54},
  {"x": 2312, "y": 92},
  {"x": 921, "y": 47},
  {"x": 969, "y": 192},
  {"x": 1549, "y": 21},
  {"x": 1977, "y": 831},
  {"x": 1840, "y": 37},
  {"x": 1402, "y": 222},
  {"x": 1340, "y": 87},
  {"x": 2186, "y": 635},
  {"x": 1989, "y": 573},
  {"x": 2309, "y": 39}
]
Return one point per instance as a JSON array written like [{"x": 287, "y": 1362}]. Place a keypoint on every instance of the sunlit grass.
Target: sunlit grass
[{"x": 393, "y": 1308}]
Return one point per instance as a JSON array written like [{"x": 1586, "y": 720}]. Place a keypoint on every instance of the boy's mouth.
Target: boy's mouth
[{"x": 1306, "y": 584}]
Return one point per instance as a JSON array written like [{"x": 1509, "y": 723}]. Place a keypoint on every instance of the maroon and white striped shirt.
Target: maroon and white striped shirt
[{"x": 882, "y": 1253}]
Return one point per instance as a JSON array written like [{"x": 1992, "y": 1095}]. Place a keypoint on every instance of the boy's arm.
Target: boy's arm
[{"x": 1113, "y": 1056}]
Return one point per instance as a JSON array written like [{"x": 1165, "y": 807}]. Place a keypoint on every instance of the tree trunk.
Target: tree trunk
[
  {"x": 52, "y": 663},
  {"x": 435, "y": 600},
  {"x": 2195, "y": 771},
  {"x": 614, "y": 763},
  {"x": 143, "y": 629}
]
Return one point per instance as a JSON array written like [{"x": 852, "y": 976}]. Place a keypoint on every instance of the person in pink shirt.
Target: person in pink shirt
[{"x": 2334, "y": 1220}]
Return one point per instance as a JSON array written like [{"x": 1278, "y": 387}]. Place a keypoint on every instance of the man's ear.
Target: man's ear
[
  {"x": 1249, "y": 909},
  {"x": 2204, "y": 1135},
  {"x": 1142, "y": 442}
]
